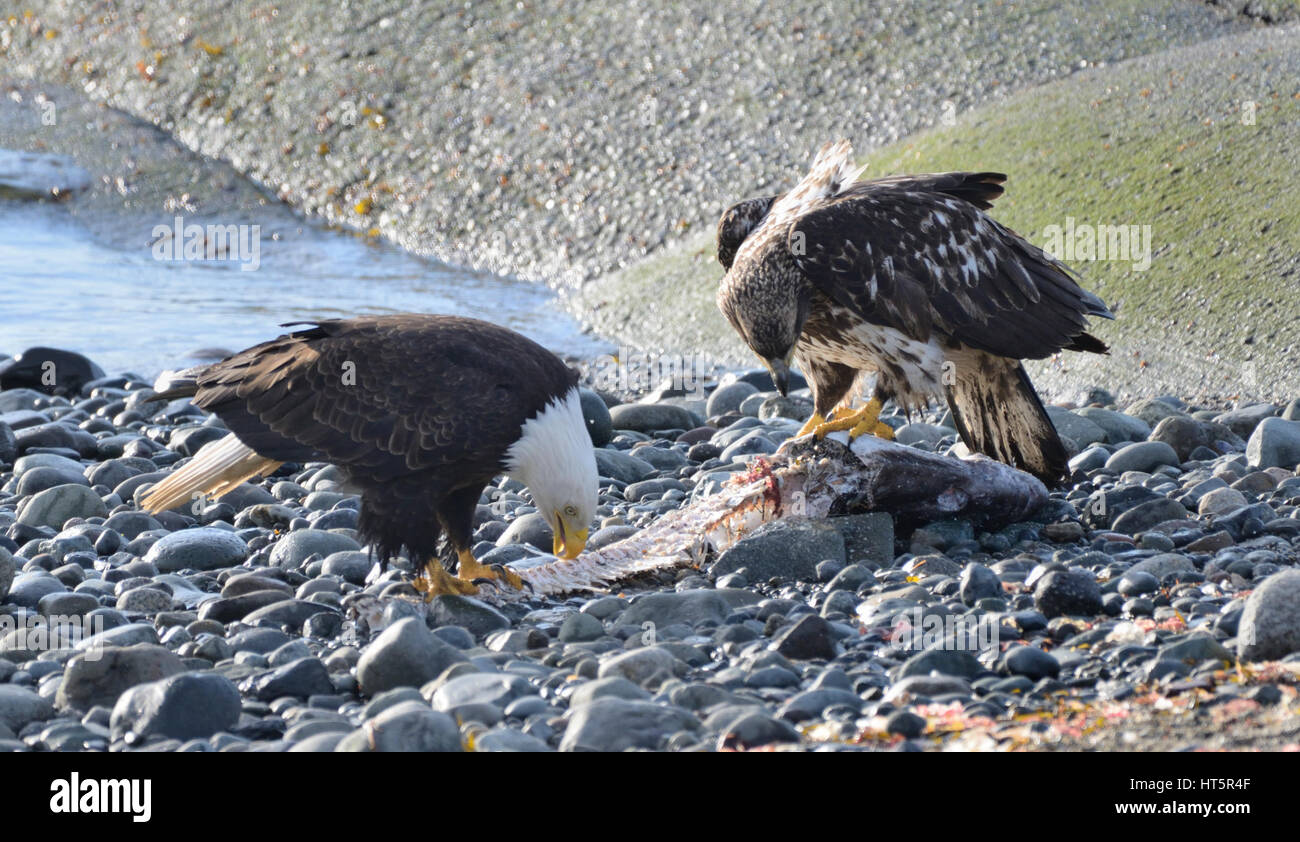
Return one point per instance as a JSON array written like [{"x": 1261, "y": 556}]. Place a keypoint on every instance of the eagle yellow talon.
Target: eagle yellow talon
[
  {"x": 470, "y": 569},
  {"x": 879, "y": 429},
  {"x": 860, "y": 422},
  {"x": 436, "y": 581},
  {"x": 811, "y": 424}
]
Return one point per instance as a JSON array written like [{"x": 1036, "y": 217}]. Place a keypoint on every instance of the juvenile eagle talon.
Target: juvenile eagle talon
[
  {"x": 860, "y": 422},
  {"x": 814, "y": 421}
]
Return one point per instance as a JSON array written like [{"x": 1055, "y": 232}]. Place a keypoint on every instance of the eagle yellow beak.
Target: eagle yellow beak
[{"x": 568, "y": 543}]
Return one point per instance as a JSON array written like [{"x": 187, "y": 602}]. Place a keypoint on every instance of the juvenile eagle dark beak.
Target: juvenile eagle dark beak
[{"x": 780, "y": 370}]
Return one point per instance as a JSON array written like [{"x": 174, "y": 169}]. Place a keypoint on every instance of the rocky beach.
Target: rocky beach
[
  {"x": 1156, "y": 590},
  {"x": 1152, "y": 603}
]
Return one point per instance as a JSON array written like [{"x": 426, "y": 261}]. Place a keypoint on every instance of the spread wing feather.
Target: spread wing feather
[{"x": 926, "y": 262}]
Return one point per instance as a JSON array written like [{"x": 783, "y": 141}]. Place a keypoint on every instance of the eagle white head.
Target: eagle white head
[{"x": 554, "y": 458}]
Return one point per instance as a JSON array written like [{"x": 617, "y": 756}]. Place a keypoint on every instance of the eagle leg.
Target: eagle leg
[
  {"x": 814, "y": 421},
  {"x": 470, "y": 569},
  {"x": 860, "y": 422},
  {"x": 436, "y": 581}
]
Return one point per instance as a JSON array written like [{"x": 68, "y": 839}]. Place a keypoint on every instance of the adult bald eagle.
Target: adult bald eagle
[
  {"x": 421, "y": 412},
  {"x": 907, "y": 277}
]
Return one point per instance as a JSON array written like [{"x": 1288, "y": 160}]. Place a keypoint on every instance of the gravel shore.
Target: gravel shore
[
  {"x": 559, "y": 140},
  {"x": 1152, "y": 604},
  {"x": 1157, "y": 591}
]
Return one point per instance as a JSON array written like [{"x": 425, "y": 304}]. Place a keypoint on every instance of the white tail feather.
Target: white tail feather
[{"x": 217, "y": 469}]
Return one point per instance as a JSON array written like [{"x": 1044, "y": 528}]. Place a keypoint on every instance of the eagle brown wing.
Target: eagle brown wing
[
  {"x": 978, "y": 188},
  {"x": 387, "y": 395},
  {"x": 922, "y": 263}
]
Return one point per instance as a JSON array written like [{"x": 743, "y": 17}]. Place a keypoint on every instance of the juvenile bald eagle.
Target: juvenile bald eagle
[
  {"x": 421, "y": 412},
  {"x": 906, "y": 277}
]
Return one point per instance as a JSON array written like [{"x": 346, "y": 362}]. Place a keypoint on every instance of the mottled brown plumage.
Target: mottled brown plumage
[{"x": 908, "y": 277}]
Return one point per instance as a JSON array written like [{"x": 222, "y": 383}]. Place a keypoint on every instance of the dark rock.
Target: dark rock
[
  {"x": 667, "y": 609},
  {"x": 190, "y": 705},
  {"x": 99, "y": 678},
  {"x": 615, "y": 687},
  {"x": 905, "y": 723},
  {"x": 1275, "y": 443},
  {"x": 953, "y": 662},
  {"x": 610, "y": 535},
  {"x": 232, "y": 608},
  {"x": 187, "y": 441},
  {"x": 599, "y": 423},
  {"x": 405, "y": 654},
  {"x": 204, "y": 548},
  {"x": 611, "y": 724},
  {"x": 1067, "y": 592},
  {"x": 531, "y": 529},
  {"x": 621, "y": 466},
  {"x": 293, "y": 549},
  {"x": 807, "y": 639},
  {"x": 287, "y": 613},
  {"x": 650, "y": 417},
  {"x": 647, "y": 666},
  {"x": 54, "y": 437},
  {"x": 349, "y": 565},
  {"x": 1270, "y": 625},
  {"x": 1142, "y": 517},
  {"x": 579, "y": 627},
  {"x": 978, "y": 582},
  {"x": 728, "y": 398},
  {"x": 754, "y": 729},
  {"x": 1031, "y": 662},
  {"x": 1245, "y": 420},
  {"x": 1162, "y": 565},
  {"x": 1195, "y": 648},
  {"x": 1135, "y": 583},
  {"x": 302, "y": 678},
  {"x": 790, "y": 548},
  {"x": 1142, "y": 456},
  {"x": 868, "y": 537},
  {"x": 495, "y": 689},
  {"x": 476, "y": 617},
  {"x": 49, "y": 370},
  {"x": 54, "y": 506},
  {"x": 405, "y": 726},
  {"x": 20, "y": 706},
  {"x": 1183, "y": 434}
]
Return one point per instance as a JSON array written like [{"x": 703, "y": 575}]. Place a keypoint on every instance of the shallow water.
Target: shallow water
[{"x": 128, "y": 311}]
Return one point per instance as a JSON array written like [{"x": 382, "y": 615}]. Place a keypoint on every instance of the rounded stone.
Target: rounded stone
[
  {"x": 727, "y": 399},
  {"x": 600, "y": 425},
  {"x": 293, "y": 549},
  {"x": 55, "y": 506},
  {"x": 1142, "y": 456},
  {"x": 204, "y": 548},
  {"x": 186, "y": 706}
]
